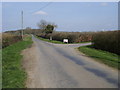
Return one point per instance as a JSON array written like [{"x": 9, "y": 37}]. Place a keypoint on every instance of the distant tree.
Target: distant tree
[
  {"x": 42, "y": 24},
  {"x": 28, "y": 28},
  {"x": 50, "y": 28},
  {"x": 46, "y": 27}
]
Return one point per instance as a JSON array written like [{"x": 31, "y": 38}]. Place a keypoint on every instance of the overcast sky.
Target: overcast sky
[{"x": 69, "y": 16}]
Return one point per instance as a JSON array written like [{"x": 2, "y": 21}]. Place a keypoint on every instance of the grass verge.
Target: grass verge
[
  {"x": 13, "y": 74},
  {"x": 105, "y": 57},
  {"x": 52, "y": 41},
  {"x": 57, "y": 42},
  {"x": 0, "y": 69}
]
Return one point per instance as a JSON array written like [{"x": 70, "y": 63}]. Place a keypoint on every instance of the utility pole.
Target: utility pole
[{"x": 22, "y": 24}]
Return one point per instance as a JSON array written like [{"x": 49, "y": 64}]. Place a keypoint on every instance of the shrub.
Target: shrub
[
  {"x": 107, "y": 41},
  {"x": 73, "y": 37},
  {"x": 59, "y": 36},
  {"x": 8, "y": 39}
]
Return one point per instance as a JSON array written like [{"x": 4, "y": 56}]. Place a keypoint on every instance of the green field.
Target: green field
[
  {"x": 13, "y": 75},
  {"x": 105, "y": 57}
]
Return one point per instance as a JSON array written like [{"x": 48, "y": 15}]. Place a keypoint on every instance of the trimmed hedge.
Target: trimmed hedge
[
  {"x": 73, "y": 37},
  {"x": 108, "y": 41},
  {"x": 8, "y": 39}
]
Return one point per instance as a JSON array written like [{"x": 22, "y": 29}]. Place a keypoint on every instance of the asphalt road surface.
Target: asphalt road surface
[{"x": 62, "y": 66}]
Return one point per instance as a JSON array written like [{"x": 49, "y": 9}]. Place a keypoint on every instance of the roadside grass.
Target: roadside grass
[
  {"x": 52, "y": 41},
  {"x": 79, "y": 42},
  {"x": 105, "y": 57},
  {"x": 13, "y": 75},
  {"x": 0, "y": 69},
  {"x": 57, "y": 42}
]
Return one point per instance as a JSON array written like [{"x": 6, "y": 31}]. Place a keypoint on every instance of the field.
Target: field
[{"x": 13, "y": 74}]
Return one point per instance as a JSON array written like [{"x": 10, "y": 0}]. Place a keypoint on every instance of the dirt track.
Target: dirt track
[{"x": 30, "y": 60}]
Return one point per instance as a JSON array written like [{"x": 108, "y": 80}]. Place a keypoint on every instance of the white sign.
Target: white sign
[
  {"x": 65, "y": 40},
  {"x": 50, "y": 37}
]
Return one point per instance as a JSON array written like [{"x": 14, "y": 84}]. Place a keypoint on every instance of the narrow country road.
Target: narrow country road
[{"x": 62, "y": 66}]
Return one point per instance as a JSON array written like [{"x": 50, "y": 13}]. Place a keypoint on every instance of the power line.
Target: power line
[
  {"x": 22, "y": 16},
  {"x": 45, "y": 5}
]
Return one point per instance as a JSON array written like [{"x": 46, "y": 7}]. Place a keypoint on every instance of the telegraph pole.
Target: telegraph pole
[{"x": 22, "y": 24}]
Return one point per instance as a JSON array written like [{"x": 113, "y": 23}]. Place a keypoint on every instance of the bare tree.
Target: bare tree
[
  {"x": 28, "y": 28},
  {"x": 47, "y": 27},
  {"x": 42, "y": 24}
]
